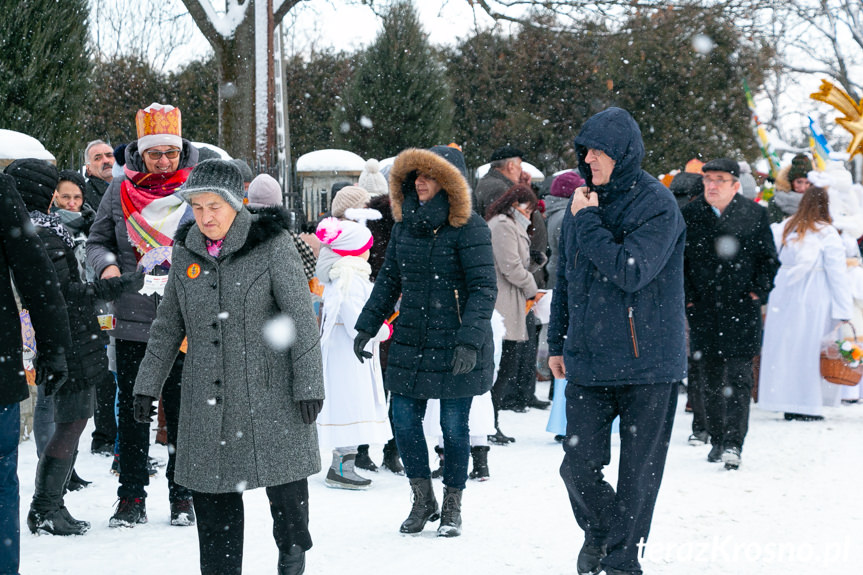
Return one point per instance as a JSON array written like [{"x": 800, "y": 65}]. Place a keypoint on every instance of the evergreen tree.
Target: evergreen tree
[
  {"x": 194, "y": 89},
  {"x": 44, "y": 74},
  {"x": 398, "y": 96}
]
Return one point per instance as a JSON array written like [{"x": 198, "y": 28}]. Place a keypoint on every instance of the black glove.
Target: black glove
[
  {"x": 464, "y": 360},
  {"x": 310, "y": 409},
  {"x": 110, "y": 289},
  {"x": 359, "y": 345},
  {"x": 143, "y": 409},
  {"x": 51, "y": 371}
]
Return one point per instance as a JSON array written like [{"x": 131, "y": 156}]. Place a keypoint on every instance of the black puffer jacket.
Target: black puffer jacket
[{"x": 439, "y": 259}]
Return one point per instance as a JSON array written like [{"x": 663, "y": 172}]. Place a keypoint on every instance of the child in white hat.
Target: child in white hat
[{"x": 355, "y": 411}]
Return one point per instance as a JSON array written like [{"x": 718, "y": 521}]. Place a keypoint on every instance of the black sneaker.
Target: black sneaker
[
  {"x": 106, "y": 449},
  {"x": 589, "y": 558},
  {"x": 182, "y": 512},
  {"x": 715, "y": 455},
  {"x": 130, "y": 511},
  {"x": 537, "y": 403}
]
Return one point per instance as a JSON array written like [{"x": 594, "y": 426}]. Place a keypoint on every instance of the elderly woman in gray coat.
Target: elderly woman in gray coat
[{"x": 252, "y": 381}]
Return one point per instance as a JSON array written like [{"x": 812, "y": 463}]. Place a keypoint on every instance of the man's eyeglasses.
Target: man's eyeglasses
[
  {"x": 98, "y": 157},
  {"x": 156, "y": 155},
  {"x": 716, "y": 181}
]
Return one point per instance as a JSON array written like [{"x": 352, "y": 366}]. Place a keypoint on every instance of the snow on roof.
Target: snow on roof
[
  {"x": 224, "y": 155},
  {"x": 330, "y": 161},
  {"x": 15, "y": 145},
  {"x": 535, "y": 174}
]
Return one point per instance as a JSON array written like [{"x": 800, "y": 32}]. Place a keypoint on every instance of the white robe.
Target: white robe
[
  {"x": 811, "y": 296},
  {"x": 355, "y": 408}
]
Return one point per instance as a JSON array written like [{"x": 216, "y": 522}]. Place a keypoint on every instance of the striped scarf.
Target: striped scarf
[{"x": 152, "y": 211}]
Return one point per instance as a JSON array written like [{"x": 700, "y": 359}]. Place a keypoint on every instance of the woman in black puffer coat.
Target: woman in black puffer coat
[
  {"x": 439, "y": 260},
  {"x": 87, "y": 361}
]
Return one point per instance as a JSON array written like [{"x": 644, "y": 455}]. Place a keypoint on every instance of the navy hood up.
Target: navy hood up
[{"x": 615, "y": 132}]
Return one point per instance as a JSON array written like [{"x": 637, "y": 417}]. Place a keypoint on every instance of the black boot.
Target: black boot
[
  {"x": 450, "y": 518},
  {"x": 479, "y": 454},
  {"x": 293, "y": 562},
  {"x": 589, "y": 559},
  {"x": 391, "y": 458},
  {"x": 48, "y": 513},
  {"x": 363, "y": 461},
  {"x": 75, "y": 483},
  {"x": 425, "y": 507},
  {"x": 438, "y": 473}
]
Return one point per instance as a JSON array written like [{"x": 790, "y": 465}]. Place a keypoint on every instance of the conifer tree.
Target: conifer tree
[
  {"x": 44, "y": 74},
  {"x": 398, "y": 96}
]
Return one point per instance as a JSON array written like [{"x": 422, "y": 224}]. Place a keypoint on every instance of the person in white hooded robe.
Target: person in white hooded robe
[
  {"x": 811, "y": 296},
  {"x": 356, "y": 408}
]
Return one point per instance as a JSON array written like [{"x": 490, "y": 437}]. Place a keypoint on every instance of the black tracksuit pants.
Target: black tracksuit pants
[{"x": 620, "y": 518}]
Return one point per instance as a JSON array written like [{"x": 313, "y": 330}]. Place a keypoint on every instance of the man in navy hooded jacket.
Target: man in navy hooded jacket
[{"x": 617, "y": 335}]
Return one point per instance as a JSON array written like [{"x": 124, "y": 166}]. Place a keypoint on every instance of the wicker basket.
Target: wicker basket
[{"x": 836, "y": 370}]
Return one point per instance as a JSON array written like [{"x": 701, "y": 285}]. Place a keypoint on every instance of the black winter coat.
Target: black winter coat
[
  {"x": 23, "y": 255},
  {"x": 86, "y": 358},
  {"x": 439, "y": 259},
  {"x": 727, "y": 258}
]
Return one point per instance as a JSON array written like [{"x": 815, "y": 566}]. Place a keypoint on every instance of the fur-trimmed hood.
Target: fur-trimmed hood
[{"x": 403, "y": 175}]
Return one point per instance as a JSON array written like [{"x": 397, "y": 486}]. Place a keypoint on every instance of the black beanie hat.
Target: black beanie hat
[
  {"x": 453, "y": 156},
  {"x": 72, "y": 176},
  {"x": 36, "y": 181}
]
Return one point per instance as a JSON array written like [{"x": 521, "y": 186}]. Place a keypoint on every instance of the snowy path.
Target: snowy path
[{"x": 794, "y": 507}]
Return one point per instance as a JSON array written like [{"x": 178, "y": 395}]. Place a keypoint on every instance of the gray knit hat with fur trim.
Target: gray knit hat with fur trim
[{"x": 220, "y": 177}]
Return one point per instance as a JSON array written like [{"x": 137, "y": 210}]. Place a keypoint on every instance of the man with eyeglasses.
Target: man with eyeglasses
[
  {"x": 98, "y": 167},
  {"x": 729, "y": 266},
  {"x": 139, "y": 214}
]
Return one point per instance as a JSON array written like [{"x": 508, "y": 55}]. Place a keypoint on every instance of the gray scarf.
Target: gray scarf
[
  {"x": 520, "y": 218},
  {"x": 788, "y": 202}
]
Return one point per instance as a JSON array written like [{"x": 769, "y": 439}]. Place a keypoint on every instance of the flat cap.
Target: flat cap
[
  {"x": 506, "y": 152},
  {"x": 722, "y": 165}
]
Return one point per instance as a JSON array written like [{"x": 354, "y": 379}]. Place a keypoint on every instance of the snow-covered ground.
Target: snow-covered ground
[{"x": 794, "y": 507}]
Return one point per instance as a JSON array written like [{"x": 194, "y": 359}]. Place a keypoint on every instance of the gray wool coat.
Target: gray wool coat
[
  {"x": 240, "y": 423},
  {"x": 515, "y": 280}
]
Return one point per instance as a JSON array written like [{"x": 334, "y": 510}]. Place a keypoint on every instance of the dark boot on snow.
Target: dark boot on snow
[
  {"x": 424, "y": 508},
  {"x": 391, "y": 458},
  {"x": 438, "y": 473},
  {"x": 293, "y": 562},
  {"x": 48, "y": 513},
  {"x": 450, "y": 515},
  {"x": 479, "y": 454},
  {"x": 363, "y": 461}
]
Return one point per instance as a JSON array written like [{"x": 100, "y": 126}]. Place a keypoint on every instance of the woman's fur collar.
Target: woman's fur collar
[
  {"x": 267, "y": 223},
  {"x": 448, "y": 176}
]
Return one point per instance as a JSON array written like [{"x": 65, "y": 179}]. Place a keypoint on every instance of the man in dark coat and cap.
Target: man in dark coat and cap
[
  {"x": 730, "y": 263},
  {"x": 617, "y": 335}
]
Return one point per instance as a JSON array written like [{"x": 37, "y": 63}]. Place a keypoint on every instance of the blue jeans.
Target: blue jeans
[
  {"x": 10, "y": 529},
  {"x": 408, "y": 416}
]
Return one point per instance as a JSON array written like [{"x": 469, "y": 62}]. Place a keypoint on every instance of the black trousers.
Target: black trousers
[
  {"x": 620, "y": 518},
  {"x": 220, "y": 522},
  {"x": 523, "y": 388},
  {"x": 726, "y": 386},
  {"x": 135, "y": 437},
  {"x": 105, "y": 419},
  {"x": 695, "y": 394},
  {"x": 512, "y": 360}
]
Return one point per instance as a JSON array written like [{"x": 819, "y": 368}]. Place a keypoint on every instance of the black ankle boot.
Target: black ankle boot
[
  {"x": 363, "y": 461},
  {"x": 424, "y": 508},
  {"x": 450, "y": 517},
  {"x": 479, "y": 454},
  {"x": 391, "y": 458},
  {"x": 292, "y": 562}
]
